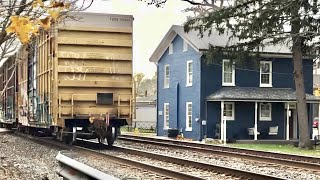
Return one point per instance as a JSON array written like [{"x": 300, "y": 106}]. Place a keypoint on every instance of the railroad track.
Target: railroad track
[
  {"x": 206, "y": 170},
  {"x": 158, "y": 173},
  {"x": 305, "y": 162},
  {"x": 102, "y": 151}
]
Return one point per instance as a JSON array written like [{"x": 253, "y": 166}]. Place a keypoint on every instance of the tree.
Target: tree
[
  {"x": 154, "y": 80},
  {"x": 148, "y": 85},
  {"x": 138, "y": 79},
  {"x": 21, "y": 19},
  {"x": 257, "y": 23}
]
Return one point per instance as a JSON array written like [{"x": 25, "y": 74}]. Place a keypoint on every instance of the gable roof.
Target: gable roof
[{"x": 200, "y": 44}]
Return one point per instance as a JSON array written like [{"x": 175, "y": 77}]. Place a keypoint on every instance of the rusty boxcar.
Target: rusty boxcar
[{"x": 76, "y": 80}]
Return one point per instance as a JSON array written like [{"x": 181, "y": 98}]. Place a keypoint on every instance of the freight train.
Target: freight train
[{"x": 72, "y": 81}]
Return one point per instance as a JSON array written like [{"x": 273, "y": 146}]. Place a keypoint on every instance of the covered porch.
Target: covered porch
[{"x": 256, "y": 114}]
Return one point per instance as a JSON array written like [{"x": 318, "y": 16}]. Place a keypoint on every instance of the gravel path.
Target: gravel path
[
  {"x": 21, "y": 159},
  {"x": 237, "y": 163}
]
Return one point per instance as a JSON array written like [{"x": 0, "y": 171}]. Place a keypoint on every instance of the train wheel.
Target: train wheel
[
  {"x": 59, "y": 135},
  {"x": 27, "y": 130},
  {"x": 66, "y": 138},
  {"x": 110, "y": 136}
]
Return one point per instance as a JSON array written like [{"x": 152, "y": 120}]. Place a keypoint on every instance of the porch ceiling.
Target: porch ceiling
[{"x": 258, "y": 94}]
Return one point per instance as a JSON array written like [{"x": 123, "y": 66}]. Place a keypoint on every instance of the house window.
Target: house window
[
  {"x": 228, "y": 73},
  {"x": 166, "y": 116},
  {"x": 185, "y": 46},
  {"x": 228, "y": 110},
  {"x": 166, "y": 75},
  {"x": 189, "y": 116},
  {"x": 189, "y": 73},
  {"x": 265, "y": 74},
  {"x": 265, "y": 111},
  {"x": 171, "y": 48}
]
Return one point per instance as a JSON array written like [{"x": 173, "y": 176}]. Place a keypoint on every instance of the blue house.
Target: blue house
[{"x": 225, "y": 100}]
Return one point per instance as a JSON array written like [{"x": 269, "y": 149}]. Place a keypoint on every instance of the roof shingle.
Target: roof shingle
[{"x": 258, "y": 94}]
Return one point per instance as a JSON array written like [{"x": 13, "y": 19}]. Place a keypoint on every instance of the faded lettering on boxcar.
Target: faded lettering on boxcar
[{"x": 78, "y": 72}]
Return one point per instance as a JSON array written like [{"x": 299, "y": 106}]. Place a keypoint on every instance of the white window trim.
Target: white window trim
[
  {"x": 233, "y": 74},
  {"x": 185, "y": 46},
  {"x": 265, "y": 118},
  {"x": 188, "y": 128},
  {"x": 171, "y": 48},
  {"x": 188, "y": 63},
  {"x": 166, "y": 83},
  {"x": 270, "y": 84},
  {"x": 233, "y": 108},
  {"x": 165, "y": 125}
]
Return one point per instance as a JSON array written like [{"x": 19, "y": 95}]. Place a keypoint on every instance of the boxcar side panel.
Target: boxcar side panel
[
  {"x": 23, "y": 100},
  {"x": 8, "y": 91}
]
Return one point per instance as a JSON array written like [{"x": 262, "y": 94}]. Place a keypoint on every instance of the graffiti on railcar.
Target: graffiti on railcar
[{"x": 78, "y": 72}]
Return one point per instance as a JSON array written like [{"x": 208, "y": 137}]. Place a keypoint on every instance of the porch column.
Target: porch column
[
  {"x": 222, "y": 123},
  {"x": 255, "y": 121},
  {"x": 287, "y": 125},
  {"x": 225, "y": 130}
]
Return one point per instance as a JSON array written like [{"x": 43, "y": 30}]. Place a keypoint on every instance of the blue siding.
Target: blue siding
[
  {"x": 206, "y": 80},
  {"x": 282, "y": 77},
  {"x": 244, "y": 118},
  {"x": 177, "y": 97}
]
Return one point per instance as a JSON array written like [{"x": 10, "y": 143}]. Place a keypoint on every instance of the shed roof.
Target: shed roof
[
  {"x": 194, "y": 40},
  {"x": 258, "y": 94}
]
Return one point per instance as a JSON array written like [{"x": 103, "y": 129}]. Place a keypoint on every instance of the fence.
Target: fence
[{"x": 141, "y": 126}]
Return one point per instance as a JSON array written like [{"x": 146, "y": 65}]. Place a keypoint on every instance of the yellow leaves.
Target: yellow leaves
[
  {"x": 67, "y": 5},
  {"x": 35, "y": 3},
  {"x": 59, "y": 4},
  {"x": 56, "y": 4},
  {"x": 45, "y": 23},
  {"x": 54, "y": 14},
  {"x": 24, "y": 28},
  {"x": 21, "y": 26}
]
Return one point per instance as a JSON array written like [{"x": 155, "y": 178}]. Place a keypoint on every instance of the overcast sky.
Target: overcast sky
[{"x": 149, "y": 26}]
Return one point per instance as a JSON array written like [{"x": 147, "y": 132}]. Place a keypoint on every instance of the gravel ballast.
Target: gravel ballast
[
  {"x": 236, "y": 163},
  {"x": 118, "y": 170},
  {"x": 24, "y": 159}
]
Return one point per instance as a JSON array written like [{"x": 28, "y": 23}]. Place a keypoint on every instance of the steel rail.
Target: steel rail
[
  {"x": 220, "y": 169},
  {"x": 305, "y": 162},
  {"x": 137, "y": 164}
]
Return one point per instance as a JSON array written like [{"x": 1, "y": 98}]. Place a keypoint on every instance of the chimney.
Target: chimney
[{"x": 146, "y": 93}]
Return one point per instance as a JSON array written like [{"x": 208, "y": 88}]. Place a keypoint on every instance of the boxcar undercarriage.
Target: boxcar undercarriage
[{"x": 77, "y": 128}]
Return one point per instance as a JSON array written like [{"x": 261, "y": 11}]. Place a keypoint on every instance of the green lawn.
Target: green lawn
[{"x": 288, "y": 149}]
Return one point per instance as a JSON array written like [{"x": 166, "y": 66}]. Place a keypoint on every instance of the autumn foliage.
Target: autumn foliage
[{"x": 24, "y": 27}]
